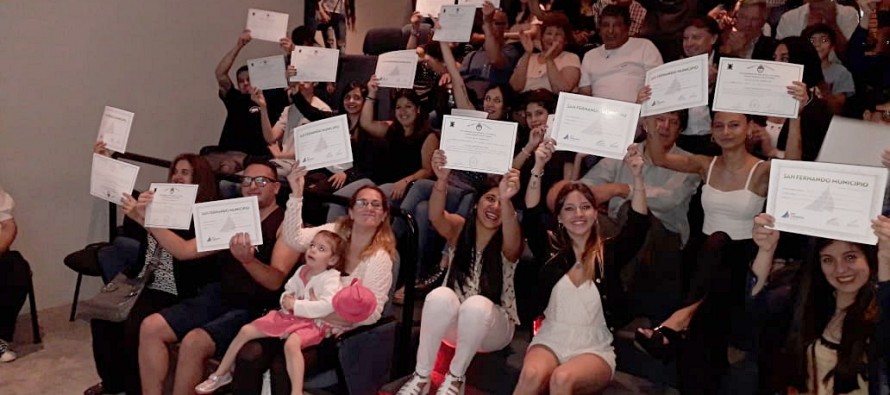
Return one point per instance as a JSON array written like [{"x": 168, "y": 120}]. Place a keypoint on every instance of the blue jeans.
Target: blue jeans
[{"x": 416, "y": 202}]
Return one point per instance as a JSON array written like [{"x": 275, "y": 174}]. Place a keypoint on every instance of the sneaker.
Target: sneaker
[
  {"x": 6, "y": 354},
  {"x": 452, "y": 385},
  {"x": 416, "y": 385},
  {"x": 213, "y": 383}
]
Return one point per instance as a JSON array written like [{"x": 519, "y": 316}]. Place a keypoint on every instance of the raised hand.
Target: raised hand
[
  {"x": 544, "y": 152},
  {"x": 644, "y": 94},
  {"x": 240, "y": 247},
  {"x": 243, "y": 38},
  {"x": 509, "y": 185},
  {"x": 438, "y": 162},
  {"x": 145, "y": 198},
  {"x": 487, "y": 11},
  {"x": 297, "y": 179},
  {"x": 373, "y": 86},
  {"x": 798, "y": 90},
  {"x": 535, "y": 137},
  {"x": 286, "y": 45},
  {"x": 258, "y": 97},
  {"x": 881, "y": 226},
  {"x": 555, "y": 49},
  {"x": 634, "y": 159},
  {"x": 101, "y": 149},
  {"x": 766, "y": 239},
  {"x": 415, "y": 19},
  {"x": 128, "y": 206},
  {"x": 526, "y": 40}
]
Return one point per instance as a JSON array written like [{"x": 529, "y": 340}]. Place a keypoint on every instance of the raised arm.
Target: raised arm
[
  {"x": 493, "y": 42},
  {"x": 534, "y": 139},
  {"x": 509, "y": 186},
  {"x": 882, "y": 229},
  {"x": 520, "y": 74},
  {"x": 543, "y": 154},
  {"x": 634, "y": 160},
  {"x": 565, "y": 80},
  {"x": 766, "y": 239},
  {"x": 696, "y": 164},
  {"x": 223, "y": 81},
  {"x": 794, "y": 144},
  {"x": 368, "y": 124},
  {"x": 461, "y": 98},
  {"x": 272, "y": 133},
  {"x": 447, "y": 224}
]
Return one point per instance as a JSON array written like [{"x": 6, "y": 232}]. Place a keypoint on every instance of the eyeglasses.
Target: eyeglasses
[
  {"x": 375, "y": 204},
  {"x": 823, "y": 40},
  {"x": 260, "y": 181},
  {"x": 883, "y": 114}
]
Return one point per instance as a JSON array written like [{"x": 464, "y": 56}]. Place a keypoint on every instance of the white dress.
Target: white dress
[{"x": 575, "y": 323}]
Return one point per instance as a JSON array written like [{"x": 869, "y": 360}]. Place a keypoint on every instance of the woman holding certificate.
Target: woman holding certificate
[
  {"x": 736, "y": 184},
  {"x": 839, "y": 341},
  {"x": 475, "y": 310},
  {"x": 579, "y": 291},
  {"x": 410, "y": 142},
  {"x": 179, "y": 272}
]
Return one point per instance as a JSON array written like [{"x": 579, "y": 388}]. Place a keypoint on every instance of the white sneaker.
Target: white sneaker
[
  {"x": 213, "y": 383},
  {"x": 416, "y": 385},
  {"x": 452, "y": 385},
  {"x": 6, "y": 354}
]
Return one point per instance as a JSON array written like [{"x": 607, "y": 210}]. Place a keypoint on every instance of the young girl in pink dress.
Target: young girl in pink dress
[{"x": 308, "y": 297}]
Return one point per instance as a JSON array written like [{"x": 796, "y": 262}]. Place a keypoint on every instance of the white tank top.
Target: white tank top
[{"x": 731, "y": 212}]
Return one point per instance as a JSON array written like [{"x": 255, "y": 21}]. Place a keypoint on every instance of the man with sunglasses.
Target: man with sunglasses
[{"x": 207, "y": 323}]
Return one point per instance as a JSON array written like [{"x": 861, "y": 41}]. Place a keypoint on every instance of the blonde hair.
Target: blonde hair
[{"x": 384, "y": 238}]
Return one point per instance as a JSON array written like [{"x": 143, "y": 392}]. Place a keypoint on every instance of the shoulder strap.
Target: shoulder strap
[
  {"x": 710, "y": 167},
  {"x": 751, "y": 173}
]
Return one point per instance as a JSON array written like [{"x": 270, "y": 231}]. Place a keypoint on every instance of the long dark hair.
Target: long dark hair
[
  {"x": 491, "y": 282},
  {"x": 202, "y": 176},
  {"x": 592, "y": 260},
  {"x": 421, "y": 123},
  {"x": 801, "y": 52},
  {"x": 363, "y": 90},
  {"x": 816, "y": 306}
]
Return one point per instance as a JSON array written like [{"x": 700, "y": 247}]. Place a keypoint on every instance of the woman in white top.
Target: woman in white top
[
  {"x": 475, "y": 311},
  {"x": 554, "y": 68},
  {"x": 734, "y": 191}
]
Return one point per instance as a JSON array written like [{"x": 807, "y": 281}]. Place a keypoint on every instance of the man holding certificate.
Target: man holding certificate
[{"x": 209, "y": 321}]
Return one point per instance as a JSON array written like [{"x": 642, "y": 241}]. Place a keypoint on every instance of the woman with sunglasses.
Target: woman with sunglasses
[
  {"x": 180, "y": 272},
  {"x": 371, "y": 249}
]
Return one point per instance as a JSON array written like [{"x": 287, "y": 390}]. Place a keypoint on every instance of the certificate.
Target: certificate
[
  {"x": 456, "y": 23},
  {"x": 854, "y": 142},
  {"x": 323, "y": 143},
  {"x": 826, "y": 200},
  {"x": 478, "y": 145},
  {"x": 172, "y": 206},
  {"x": 217, "y": 221},
  {"x": 267, "y": 73},
  {"x": 677, "y": 85},
  {"x": 114, "y": 129},
  {"x": 266, "y": 25},
  {"x": 396, "y": 69},
  {"x": 594, "y": 126},
  {"x": 315, "y": 64},
  {"x": 756, "y": 87},
  {"x": 110, "y": 179},
  {"x": 460, "y": 112},
  {"x": 431, "y": 7},
  {"x": 478, "y": 3}
]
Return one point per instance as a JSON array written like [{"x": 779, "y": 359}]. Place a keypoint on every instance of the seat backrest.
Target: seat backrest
[{"x": 384, "y": 39}]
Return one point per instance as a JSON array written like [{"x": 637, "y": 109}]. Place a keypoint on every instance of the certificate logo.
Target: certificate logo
[{"x": 760, "y": 69}]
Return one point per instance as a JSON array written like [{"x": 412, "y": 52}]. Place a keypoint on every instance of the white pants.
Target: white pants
[{"x": 476, "y": 325}]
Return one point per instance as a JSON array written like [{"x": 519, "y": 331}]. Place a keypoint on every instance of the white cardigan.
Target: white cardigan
[
  {"x": 374, "y": 271},
  {"x": 313, "y": 299}
]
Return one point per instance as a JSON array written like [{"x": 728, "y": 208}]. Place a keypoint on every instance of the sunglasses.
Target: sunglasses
[{"x": 260, "y": 181}]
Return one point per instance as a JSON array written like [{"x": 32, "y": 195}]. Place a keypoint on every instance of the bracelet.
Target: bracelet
[
  {"x": 370, "y": 98},
  {"x": 538, "y": 174}
]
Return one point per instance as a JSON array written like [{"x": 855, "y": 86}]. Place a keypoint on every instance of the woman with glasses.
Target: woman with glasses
[
  {"x": 475, "y": 309},
  {"x": 179, "y": 273},
  {"x": 371, "y": 249},
  {"x": 734, "y": 191},
  {"x": 579, "y": 292}
]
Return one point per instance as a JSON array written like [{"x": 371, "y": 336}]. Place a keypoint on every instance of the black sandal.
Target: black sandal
[{"x": 655, "y": 345}]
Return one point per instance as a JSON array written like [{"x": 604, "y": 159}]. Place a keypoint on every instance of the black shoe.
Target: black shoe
[
  {"x": 425, "y": 285},
  {"x": 663, "y": 343},
  {"x": 99, "y": 389}
]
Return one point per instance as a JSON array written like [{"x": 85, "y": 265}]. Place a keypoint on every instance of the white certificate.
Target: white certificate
[
  {"x": 110, "y": 179},
  {"x": 479, "y": 145},
  {"x": 114, "y": 129},
  {"x": 456, "y": 23},
  {"x": 431, "y": 7},
  {"x": 171, "y": 206},
  {"x": 460, "y": 112},
  {"x": 315, "y": 64},
  {"x": 594, "y": 126},
  {"x": 267, "y": 73},
  {"x": 826, "y": 200},
  {"x": 217, "y": 221},
  {"x": 478, "y": 3},
  {"x": 266, "y": 25},
  {"x": 756, "y": 87},
  {"x": 323, "y": 143},
  {"x": 854, "y": 142},
  {"x": 396, "y": 69},
  {"x": 677, "y": 85}
]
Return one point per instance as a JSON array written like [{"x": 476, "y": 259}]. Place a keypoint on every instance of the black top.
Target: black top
[
  {"x": 618, "y": 251},
  {"x": 189, "y": 275},
  {"x": 242, "y": 130},
  {"x": 400, "y": 157},
  {"x": 814, "y": 121},
  {"x": 239, "y": 289}
]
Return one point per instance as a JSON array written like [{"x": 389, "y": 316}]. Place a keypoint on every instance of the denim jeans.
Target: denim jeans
[{"x": 416, "y": 202}]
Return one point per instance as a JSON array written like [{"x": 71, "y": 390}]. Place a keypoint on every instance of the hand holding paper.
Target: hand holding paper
[
  {"x": 266, "y": 25},
  {"x": 216, "y": 222}
]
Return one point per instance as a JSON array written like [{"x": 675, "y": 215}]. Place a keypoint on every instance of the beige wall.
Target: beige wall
[{"x": 61, "y": 62}]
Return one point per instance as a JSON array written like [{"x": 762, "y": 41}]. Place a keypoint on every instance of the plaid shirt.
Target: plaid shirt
[{"x": 637, "y": 15}]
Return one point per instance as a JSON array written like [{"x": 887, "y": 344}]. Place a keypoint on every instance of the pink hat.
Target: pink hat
[{"x": 355, "y": 303}]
